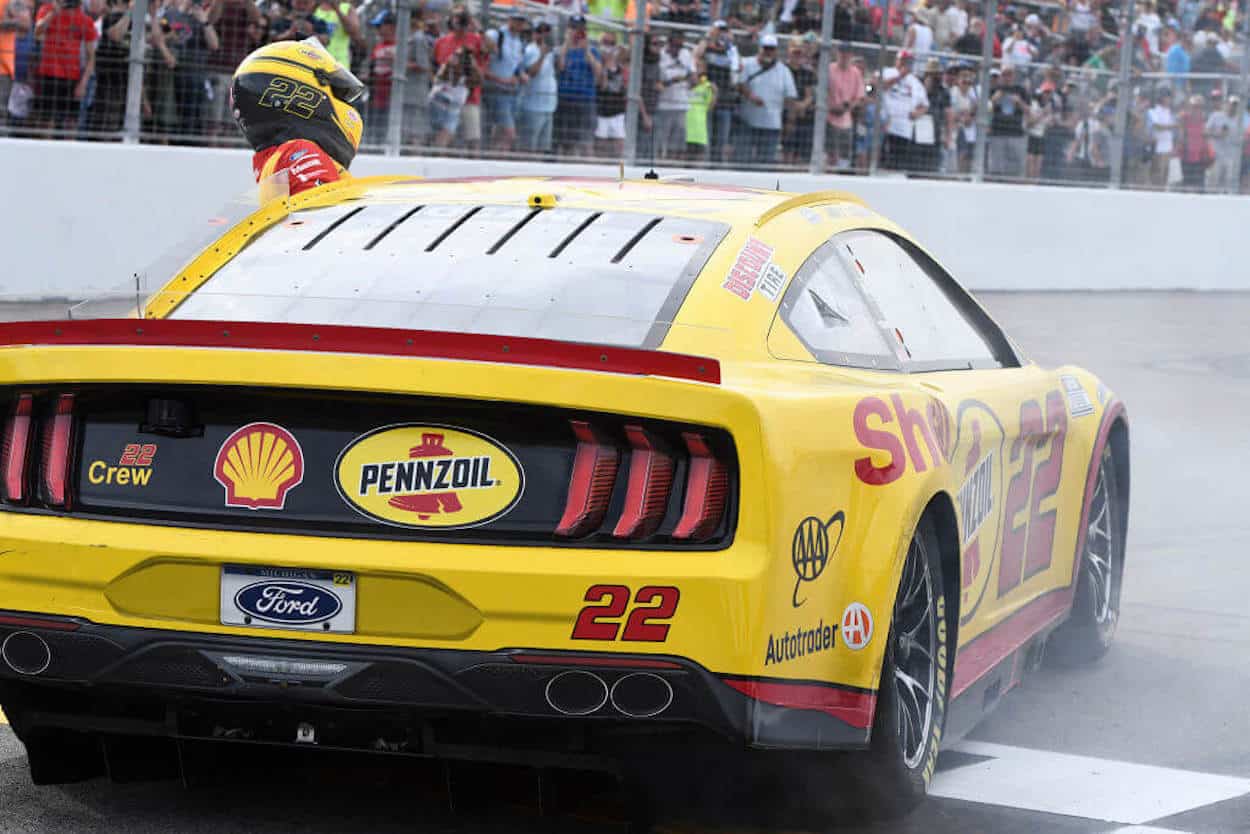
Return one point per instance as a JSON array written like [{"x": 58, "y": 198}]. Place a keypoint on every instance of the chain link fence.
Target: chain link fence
[{"x": 1126, "y": 94}]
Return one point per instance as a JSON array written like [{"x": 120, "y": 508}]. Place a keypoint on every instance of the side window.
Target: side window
[
  {"x": 826, "y": 311},
  {"x": 928, "y": 329}
]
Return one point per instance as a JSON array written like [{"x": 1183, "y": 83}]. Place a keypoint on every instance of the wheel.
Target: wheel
[
  {"x": 1088, "y": 633},
  {"x": 911, "y": 699}
]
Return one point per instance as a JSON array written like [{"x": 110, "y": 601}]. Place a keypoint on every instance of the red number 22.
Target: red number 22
[
  {"x": 595, "y": 621},
  {"x": 1027, "y": 547}
]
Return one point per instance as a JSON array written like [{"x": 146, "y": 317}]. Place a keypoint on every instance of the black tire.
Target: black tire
[
  {"x": 1090, "y": 630},
  {"x": 894, "y": 776}
]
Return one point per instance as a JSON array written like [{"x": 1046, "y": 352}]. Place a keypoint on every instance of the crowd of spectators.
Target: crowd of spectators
[{"x": 724, "y": 82}]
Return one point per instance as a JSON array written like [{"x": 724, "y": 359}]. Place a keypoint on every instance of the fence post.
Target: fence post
[
  {"x": 1245, "y": 89},
  {"x": 1123, "y": 96},
  {"x": 633, "y": 98},
  {"x": 133, "y": 122},
  {"x": 399, "y": 78},
  {"x": 983, "y": 92},
  {"x": 821, "y": 116},
  {"x": 876, "y": 132}
]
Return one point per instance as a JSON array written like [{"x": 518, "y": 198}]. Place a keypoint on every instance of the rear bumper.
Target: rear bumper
[{"x": 127, "y": 680}]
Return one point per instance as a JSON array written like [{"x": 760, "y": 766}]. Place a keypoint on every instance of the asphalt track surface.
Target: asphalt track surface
[{"x": 1153, "y": 738}]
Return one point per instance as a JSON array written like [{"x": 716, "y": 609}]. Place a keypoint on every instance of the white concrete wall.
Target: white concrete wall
[{"x": 83, "y": 217}]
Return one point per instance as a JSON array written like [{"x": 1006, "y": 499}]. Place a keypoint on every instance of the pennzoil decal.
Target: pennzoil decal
[
  {"x": 258, "y": 465},
  {"x": 429, "y": 477}
]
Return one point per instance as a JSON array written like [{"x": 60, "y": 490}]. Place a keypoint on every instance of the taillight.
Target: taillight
[
  {"x": 650, "y": 479},
  {"x": 594, "y": 472},
  {"x": 16, "y": 449},
  {"x": 57, "y": 442},
  {"x": 707, "y": 486}
]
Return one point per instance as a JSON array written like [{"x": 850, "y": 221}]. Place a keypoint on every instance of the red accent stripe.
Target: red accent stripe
[
  {"x": 381, "y": 341},
  {"x": 580, "y": 660},
  {"x": 855, "y": 708},
  {"x": 35, "y": 622},
  {"x": 991, "y": 648}
]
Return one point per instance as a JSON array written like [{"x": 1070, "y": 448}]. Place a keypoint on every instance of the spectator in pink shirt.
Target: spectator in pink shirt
[{"x": 846, "y": 92}]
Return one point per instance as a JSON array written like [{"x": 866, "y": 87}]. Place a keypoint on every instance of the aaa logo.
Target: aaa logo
[{"x": 258, "y": 465}]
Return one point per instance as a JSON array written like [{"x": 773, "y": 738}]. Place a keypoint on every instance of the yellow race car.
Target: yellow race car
[{"x": 555, "y": 470}]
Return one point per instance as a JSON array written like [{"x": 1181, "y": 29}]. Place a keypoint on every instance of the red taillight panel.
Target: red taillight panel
[
  {"x": 707, "y": 489},
  {"x": 650, "y": 479},
  {"x": 590, "y": 487},
  {"x": 16, "y": 449},
  {"x": 58, "y": 436}
]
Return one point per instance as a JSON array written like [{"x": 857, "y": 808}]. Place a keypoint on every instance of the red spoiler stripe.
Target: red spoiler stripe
[{"x": 382, "y": 341}]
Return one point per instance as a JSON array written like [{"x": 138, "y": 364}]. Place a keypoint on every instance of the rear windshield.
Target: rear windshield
[{"x": 567, "y": 274}]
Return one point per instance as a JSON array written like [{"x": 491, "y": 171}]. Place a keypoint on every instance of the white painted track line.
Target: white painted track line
[{"x": 1080, "y": 786}]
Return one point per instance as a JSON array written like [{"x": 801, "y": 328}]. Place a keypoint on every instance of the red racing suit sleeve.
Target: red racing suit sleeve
[{"x": 306, "y": 164}]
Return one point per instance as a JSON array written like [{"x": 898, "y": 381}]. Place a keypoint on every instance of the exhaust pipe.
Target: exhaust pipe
[
  {"x": 26, "y": 653},
  {"x": 641, "y": 695},
  {"x": 576, "y": 692}
]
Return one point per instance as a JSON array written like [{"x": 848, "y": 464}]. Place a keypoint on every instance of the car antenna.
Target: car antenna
[
  {"x": 620, "y": 176},
  {"x": 779, "y": 183}
]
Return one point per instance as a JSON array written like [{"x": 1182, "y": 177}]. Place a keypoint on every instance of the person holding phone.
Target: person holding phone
[
  {"x": 579, "y": 70},
  {"x": 462, "y": 37},
  {"x": 66, "y": 34}
]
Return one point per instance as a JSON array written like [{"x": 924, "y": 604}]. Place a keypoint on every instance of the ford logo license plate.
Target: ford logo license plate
[{"x": 290, "y": 598}]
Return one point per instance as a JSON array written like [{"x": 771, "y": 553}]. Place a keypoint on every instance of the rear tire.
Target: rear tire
[
  {"x": 894, "y": 776},
  {"x": 1089, "y": 631}
]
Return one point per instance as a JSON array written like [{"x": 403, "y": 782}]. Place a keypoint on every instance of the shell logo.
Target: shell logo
[
  {"x": 258, "y": 465},
  {"x": 429, "y": 477}
]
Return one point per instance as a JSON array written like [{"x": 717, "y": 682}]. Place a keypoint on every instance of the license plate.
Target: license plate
[{"x": 288, "y": 598}]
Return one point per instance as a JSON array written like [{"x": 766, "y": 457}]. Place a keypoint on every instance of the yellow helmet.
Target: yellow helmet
[{"x": 296, "y": 90}]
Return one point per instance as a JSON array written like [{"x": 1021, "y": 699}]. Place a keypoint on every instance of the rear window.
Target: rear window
[{"x": 576, "y": 275}]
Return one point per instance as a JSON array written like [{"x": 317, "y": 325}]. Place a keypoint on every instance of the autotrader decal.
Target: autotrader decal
[
  {"x": 790, "y": 645},
  {"x": 429, "y": 477},
  {"x": 811, "y": 549},
  {"x": 856, "y": 626}
]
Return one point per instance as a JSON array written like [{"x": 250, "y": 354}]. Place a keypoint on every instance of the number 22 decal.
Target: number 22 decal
[
  {"x": 595, "y": 622},
  {"x": 1027, "y": 547}
]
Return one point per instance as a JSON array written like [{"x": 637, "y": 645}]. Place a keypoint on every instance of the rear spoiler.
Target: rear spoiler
[{"x": 381, "y": 341}]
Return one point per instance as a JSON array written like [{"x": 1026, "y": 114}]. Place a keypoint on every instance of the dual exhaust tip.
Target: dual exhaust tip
[
  {"x": 636, "y": 695},
  {"x": 26, "y": 653}
]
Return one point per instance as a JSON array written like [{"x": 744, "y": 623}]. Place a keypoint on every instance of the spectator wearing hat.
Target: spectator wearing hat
[
  {"x": 846, "y": 94},
  {"x": 1007, "y": 142},
  {"x": 719, "y": 57},
  {"x": 579, "y": 69},
  {"x": 502, "y": 83},
  {"x": 676, "y": 72},
  {"x": 1161, "y": 124},
  {"x": 540, "y": 91},
  {"x": 1208, "y": 59},
  {"x": 905, "y": 101},
  {"x": 468, "y": 121},
  {"x": 919, "y": 37},
  {"x": 767, "y": 84},
  {"x": 379, "y": 70},
  {"x": 1225, "y": 128}
]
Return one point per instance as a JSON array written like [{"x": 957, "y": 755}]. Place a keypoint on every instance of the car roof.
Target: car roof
[{"x": 706, "y": 317}]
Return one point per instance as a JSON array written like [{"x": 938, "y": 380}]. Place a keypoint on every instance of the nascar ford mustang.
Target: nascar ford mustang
[{"x": 549, "y": 469}]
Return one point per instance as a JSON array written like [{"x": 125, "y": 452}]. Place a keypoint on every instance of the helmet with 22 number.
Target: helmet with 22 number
[{"x": 296, "y": 90}]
